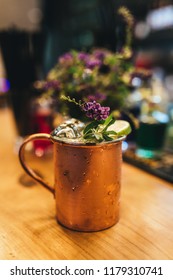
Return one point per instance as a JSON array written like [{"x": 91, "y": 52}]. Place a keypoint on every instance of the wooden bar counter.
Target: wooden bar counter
[{"x": 29, "y": 230}]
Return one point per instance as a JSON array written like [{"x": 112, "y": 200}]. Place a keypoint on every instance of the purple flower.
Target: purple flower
[
  {"x": 100, "y": 54},
  {"x": 98, "y": 96},
  {"x": 95, "y": 111},
  {"x": 51, "y": 85},
  {"x": 66, "y": 58},
  {"x": 92, "y": 63},
  {"x": 83, "y": 56}
]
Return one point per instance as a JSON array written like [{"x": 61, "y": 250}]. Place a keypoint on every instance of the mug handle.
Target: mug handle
[{"x": 28, "y": 170}]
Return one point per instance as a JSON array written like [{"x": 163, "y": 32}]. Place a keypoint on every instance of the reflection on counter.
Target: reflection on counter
[{"x": 160, "y": 166}]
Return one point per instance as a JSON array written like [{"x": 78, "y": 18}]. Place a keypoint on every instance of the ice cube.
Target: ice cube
[{"x": 71, "y": 129}]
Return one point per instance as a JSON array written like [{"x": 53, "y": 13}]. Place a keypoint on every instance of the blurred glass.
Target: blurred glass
[
  {"x": 150, "y": 136},
  {"x": 41, "y": 119},
  {"x": 153, "y": 120}
]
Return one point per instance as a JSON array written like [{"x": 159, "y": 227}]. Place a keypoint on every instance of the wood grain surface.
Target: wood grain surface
[{"x": 29, "y": 230}]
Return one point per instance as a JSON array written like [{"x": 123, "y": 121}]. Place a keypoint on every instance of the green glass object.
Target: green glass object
[{"x": 150, "y": 136}]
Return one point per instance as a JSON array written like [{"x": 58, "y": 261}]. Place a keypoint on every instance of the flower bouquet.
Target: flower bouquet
[{"x": 100, "y": 75}]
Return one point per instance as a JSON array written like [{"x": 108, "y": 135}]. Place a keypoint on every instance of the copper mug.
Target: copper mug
[{"x": 87, "y": 182}]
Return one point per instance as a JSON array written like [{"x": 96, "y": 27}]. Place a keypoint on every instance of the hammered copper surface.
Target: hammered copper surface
[
  {"x": 87, "y": 182},
  {"x": 87, "y": 185}
]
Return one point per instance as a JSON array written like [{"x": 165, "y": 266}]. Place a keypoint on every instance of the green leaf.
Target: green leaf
[
  {"x": 107, "y": 138},
  {"x": 91, "y": 126},
  {"x": 110, "y": 120},
  {"x": 110, "y": 132},
  {"x": 88, "y": 136},
  {"x": 98, "y": 136}
]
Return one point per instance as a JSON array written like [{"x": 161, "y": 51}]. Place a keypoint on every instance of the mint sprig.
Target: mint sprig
[{"x": 96, "y": 131}]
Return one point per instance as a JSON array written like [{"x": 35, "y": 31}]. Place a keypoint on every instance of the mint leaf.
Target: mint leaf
[
  {"x": 110, "y": 120},
  {"x": 106, "y": 122},
  {"x": 91, "y": 126},
  {"x": 107, "y": 138},
  {"x": 110, "y": 132},
  {"x": 97, "y": 130}
]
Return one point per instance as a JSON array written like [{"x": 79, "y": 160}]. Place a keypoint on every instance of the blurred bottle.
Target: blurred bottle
[
  {"x": 153, "y": 120},
  {"x": 141, "y": 90},
  {"x": 169, "y": 134},
  {"x": 22, "y": 53},
  {"x": 41, "y": 121}
]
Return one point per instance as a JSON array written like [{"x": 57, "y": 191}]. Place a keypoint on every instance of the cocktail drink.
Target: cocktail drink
[
  {"x": 87, "y": 172},
  {"x": 87, "y": 184}
]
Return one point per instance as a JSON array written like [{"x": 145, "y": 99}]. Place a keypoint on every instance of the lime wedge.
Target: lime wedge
[{"x": 121, "y": 127}]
